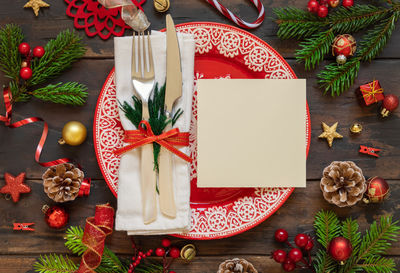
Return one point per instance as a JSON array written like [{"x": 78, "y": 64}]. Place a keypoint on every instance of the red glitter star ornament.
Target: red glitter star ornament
[{"x": 15, "y": 186}]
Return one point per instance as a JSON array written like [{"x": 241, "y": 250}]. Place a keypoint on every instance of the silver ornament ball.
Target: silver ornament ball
[{"x": 341, "y": 59}]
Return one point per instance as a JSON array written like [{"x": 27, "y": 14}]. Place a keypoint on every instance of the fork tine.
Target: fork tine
[
  {"x": 150, "y": 55},
  {"x": 134, "y": 66},
  {"x": 140, "y": 55}
]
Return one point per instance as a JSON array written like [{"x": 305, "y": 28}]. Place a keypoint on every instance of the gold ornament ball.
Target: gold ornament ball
[
  {"x": 356, "y": 128},
  {"x": 161, "y": 5},
  {"x": 74, "y": 133}
]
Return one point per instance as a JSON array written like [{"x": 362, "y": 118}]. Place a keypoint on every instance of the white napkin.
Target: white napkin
[{"x": 129, "y": 214}]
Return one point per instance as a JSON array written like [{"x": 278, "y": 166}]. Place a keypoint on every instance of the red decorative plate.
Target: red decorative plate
[{"x": 222, "y": 51}]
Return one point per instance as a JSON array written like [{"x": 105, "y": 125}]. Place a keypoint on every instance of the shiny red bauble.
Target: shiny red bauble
[
  {"x": 344, "y": 44},
  {"x": 377, "y": 190},
  {"x": 281, "y": 235},
  {"x": 295, "y": 255},
  {"x": 56, "y": 217},
  {"x": 174, "y": 252},
  {"x": 279, "y": 256},
  {"x": 348, "y": 3},
  {"x": 322, "y": 11},
  {"x": 160, "y": 252},
  {"x": 333, "y": 3},
  {"x": 340, "y": 249},
  {"x": 389, "y": 104},
  {"x": 166, "y": 242},
  {"x": 38, "y": 52},
  {"x": 25, "y": 73},
  {"x": 313, "y": 6},
  {"x": 301, "y": 240},
  {"x": 289, "y": 265},
  {"x": 24, "y": 48}
]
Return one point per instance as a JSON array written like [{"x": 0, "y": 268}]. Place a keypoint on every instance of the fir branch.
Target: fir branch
[
  {"x": 60, "y": 53},
  {"x": 19, "y": 93},
  {"x": 54, "y": 264},
  {"x": 133, "y": 113},
  {"x": 70, "y": 93},
  {"x": 350, "y": 231},
  {"x": 10, "y": 59},
  {"x": 323, "y": 262},
  {"x": 377, "y": 264},
  {"x": 315, "y": 48},
  {"x": 327, "y": 227},
  {"x": 73, "y": 241}
]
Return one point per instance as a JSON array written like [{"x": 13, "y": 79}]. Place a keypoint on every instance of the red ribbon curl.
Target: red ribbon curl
[{"x": 144, "y": 135}]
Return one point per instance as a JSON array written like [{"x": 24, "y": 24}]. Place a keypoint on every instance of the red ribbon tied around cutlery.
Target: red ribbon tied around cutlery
[
  {"x": 97, "y": 228},
  {"x": 144, "y": 135}
]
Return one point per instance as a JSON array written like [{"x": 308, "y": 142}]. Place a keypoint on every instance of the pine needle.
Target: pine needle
[
  {"x": 10, "y": 59},
  {"x": 54, "y": 264},
  {"x": 327, "y": 227},
  {"x": 70, "y": 93}
]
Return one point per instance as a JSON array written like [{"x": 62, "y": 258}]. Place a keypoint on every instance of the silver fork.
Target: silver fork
[{"x": 143, "y": 82}]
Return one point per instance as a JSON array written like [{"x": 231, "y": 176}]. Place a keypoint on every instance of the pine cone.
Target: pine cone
[
  {"x": 343, "y": 183},
  {"x": 236, "y": 266},
  {"x": 62, "y": 182}
]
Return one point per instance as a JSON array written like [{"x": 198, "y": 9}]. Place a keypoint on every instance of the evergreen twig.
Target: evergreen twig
[
  {"x": 54, "y": 264},
  {"x": 10, "y": 60},
  {"x": 327, "y": 227},
  {"x": 70, "y": 93}
]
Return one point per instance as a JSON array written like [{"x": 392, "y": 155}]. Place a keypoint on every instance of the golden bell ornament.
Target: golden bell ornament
[
  {"x": 356, "y": 128},
  {"x": 74, "y": 133},
  {"x": 161, "y": 5},
  {"x": 188, "y": 252}
]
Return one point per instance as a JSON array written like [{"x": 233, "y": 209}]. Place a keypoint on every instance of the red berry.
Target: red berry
[
  {"x": 313, "y": 6},
  {"x": 160, "y": 252},
  {"x": 301, "y": 240},
  {"x": 322, "y": 11},
  {"x": 295, "y": 255},
  {"x": 323, "y": 3},
  {"x": 174, "y": 252},
  {"x": 288, "y": 265},
  {"x": 281, "y": 235},
  {"x": 24, "y": 48},
  {"x": 279, "y": 255},
  {"x": 166, "y": 242},
  {"x": 25, "y": 73},
  {"x": 38, "y": 51},
  {"x": 347, "y": 3},
  {"x": 172, "y": 272},
  {"x": 309, "y": 246}
]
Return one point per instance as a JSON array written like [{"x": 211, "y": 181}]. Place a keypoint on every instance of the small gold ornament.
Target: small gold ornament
[
  {"x": 188, "y": 252},
  {"x": 356, "y": 128},
  {"x": 36, "y": 5},
  {"x": 330, "y": 133},
  {"x": 24, "y": 64},
  {"x": 74, "y": 133},
  {"x": 161, "y": 5}
]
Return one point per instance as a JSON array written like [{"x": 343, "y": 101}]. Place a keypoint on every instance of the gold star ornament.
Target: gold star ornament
[
  {"x": 36, "y": 5},
  {"x": 330, "y": 133}
]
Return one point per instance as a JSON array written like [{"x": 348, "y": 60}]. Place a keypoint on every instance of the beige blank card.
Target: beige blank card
[{"x": 251, "y": 133}]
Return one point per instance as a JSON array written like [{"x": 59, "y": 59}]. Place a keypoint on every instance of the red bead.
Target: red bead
[
  {"x": 295, "y": 255},
  {"x": 24, "y": 48},
  {"x": 333, "y": 3},
  {"x": 140, "y": 253},
  {"x": 288, "y": 265},
  {"x": 172, "y": 272},
  {"x": 279, "y": 255},
  {"x": 301, "y": 240},
  {"x": 160, "y": 252},
  {"x": 340, "y": 249},
  {"x": 313, "y": 6},
  {"x": 56, "y": 217},
  {"x": 25, "y": 73},
  {"x": 174, "y": 252},
  {"x": 309, "y": 246},
  {"x": 347, "y": 3},
  {"x": 38, "y": 52},
  {"x": 281, "y": 235},
  {"x": 377, "y": 189},
  {"x": 166, "y": 242},
  {"x": 322, "y": 11}
]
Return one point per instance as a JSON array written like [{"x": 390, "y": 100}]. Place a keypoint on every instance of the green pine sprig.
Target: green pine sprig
[
  {"x": 10, "y": 60},
  {"x": 70, "y": 93},
  {"x": 54, "y": 263}
]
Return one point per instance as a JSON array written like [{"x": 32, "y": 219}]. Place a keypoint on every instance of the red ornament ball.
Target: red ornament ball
[
  {"x": 344, "y": 44},
  {"x": 25, "y": 73},
  {"x": 160, "y": 252},
  {"x": 166, "y": 242},
  {"x": 38, "y": 52},
  {"x": 289, "y": 265},
  {"x": 377, "y": 190},
  {"x": 281, "y": 235},
  {"x": 279, "y": 256},
  {"x": 56, "y": 217},
  {"x": 348, "y": 3},
  {"x": 389, "y": 104},
  {"x": 333, "y": 3},
  {"x": 313, "y": 6},
  {"x": 174, "y": 252},
  {"x": 295, "y": 255},
  {"x": 340, "y": 249},
  {"x": 322, "y": 11},
  {"x": 24, "y": 48},
  {"x": 301, "y": 240}
]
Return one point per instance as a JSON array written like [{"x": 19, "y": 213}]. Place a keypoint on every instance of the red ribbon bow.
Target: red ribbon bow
[{"x": 144, "y": 135}]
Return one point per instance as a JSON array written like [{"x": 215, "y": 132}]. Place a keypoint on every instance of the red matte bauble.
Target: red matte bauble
[
  {"x": 38, "y": 52},
  {"x": 281, "y": 235},
  {"x": 301, "y": 240},
  {"x": 279, "y": 256},
  {"x": 340, "y": 249},
  {"x": 344, "y": 44},
  {"x": 160, "y": 252},
  {"x": 289, "y": 265},
  {"x": 25, "y": 73},
  {"x": 313, "y": 6},
  {"x": 333, "y": 3},
  {"x": 377, "y": 190},
  {"x": 175, "y": 252},
  {"x": 56, "y": 217},
  {"x": 295, "y": 255},
  {"x": 389, "y": 104},
  {"x": 24, "y": 48},
  {"x": 348, "y": 3},
  {"x": 322, "y": 11},
  {"x": 166, "y": 242}
]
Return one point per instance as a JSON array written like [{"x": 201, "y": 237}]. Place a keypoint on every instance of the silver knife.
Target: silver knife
[{"x": 173, "y": 91}]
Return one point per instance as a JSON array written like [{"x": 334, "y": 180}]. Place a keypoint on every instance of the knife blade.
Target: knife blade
[{"x": 173, "y": 91}]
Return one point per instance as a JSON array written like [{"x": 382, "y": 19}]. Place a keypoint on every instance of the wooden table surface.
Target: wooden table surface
[{"x": 18, "y": 250}]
